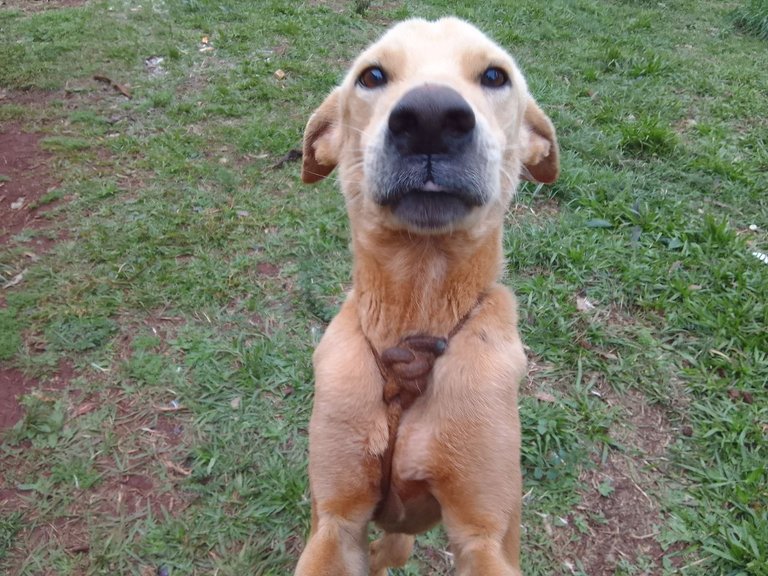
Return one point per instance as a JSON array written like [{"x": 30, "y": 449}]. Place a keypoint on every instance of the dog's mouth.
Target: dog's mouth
[{"x": 431, "y": 206}]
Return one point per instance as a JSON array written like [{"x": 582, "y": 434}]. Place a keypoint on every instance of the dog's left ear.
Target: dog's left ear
[
  {"x": 542, "y": 162},
  {"x": 321, "y": 141}
]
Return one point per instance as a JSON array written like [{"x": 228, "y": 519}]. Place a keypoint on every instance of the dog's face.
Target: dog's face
[{"x": 431, "y": 130}]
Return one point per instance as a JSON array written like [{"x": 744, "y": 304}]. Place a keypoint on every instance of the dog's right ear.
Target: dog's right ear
[{"x": 321, "y": 140}]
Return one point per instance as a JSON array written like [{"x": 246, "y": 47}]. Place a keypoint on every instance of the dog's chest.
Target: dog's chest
[{"x": 415, "y": 446}]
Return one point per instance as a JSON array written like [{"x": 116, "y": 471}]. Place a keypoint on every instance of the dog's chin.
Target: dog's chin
[{"x": 430, "y": 211}]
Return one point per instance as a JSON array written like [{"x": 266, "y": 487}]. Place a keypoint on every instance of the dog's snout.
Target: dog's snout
[{"x": 431, "y": 119}]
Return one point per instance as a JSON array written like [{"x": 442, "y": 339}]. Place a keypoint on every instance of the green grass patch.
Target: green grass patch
[
  {"x": 752, "y": 17},
  {"x": 80, "y": 334},
  {"x": 10, "y": 335},
  {"x": 47, "y": 198},
  {"x": 43, "y": 422},
  {"x": 10, "y": 525},
  {"x": 64, "y": 144},
  {"x": 646, "y": 136},
  {"x": 10, "y": 112}
]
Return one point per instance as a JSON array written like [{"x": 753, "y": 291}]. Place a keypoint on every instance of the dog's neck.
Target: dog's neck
[{"x": 406, "y": 284}]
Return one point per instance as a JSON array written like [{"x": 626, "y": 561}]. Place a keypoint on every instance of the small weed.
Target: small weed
[
  {"x": 550, "y": 446},
  {"x": 614, "y": 59},
  {"x": 80, "y": 334},
  {"x": 10, "y": 112},
  {"x": 87, "y": 117},
  {"x": 161, "y": 99},
  {"x": 361, "y": 6},
  {"x": 10, "y": 525},
  {"x": 79, "y": 473},
  {"x": 43, "y": 421},
  {"x": 10, "y": 337},
  {"x": 647, "y": 136},
  {"x": 64, "y": 144},
  {"x": 648, "y": 65},
  {"x": 48, "y": 198}
]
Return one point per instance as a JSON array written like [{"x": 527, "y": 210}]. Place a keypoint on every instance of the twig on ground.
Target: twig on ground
[
  {"x": 291, "y": 156},
  {"x": 118, "y": 87}
]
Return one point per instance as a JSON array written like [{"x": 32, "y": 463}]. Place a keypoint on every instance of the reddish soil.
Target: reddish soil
[
  {"x": 149, "y": 447},
  {"x": 149, "y": 437},
  {"x": 13, "y": 384},
  {"x": 623, "y": 525},
  {"x": 268, "y": 269},
  {"x": 26, "y": 177}
]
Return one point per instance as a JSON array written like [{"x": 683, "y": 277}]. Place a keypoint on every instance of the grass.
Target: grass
[
  {"x": 171, "y": 326},
  {"x": 752, "y": 17}
]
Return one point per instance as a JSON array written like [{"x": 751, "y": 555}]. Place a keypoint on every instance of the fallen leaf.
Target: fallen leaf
[
  {"x": 235, "y": 403},
  {"x": 18, "y": 205},
  {"x": 279, "y": 74},
  {"x": 583, "y": 304},
  {"x": 154, "y": 65},
  {"x": 15, "y": 280},
  {"x": 84, "y": 409},
  {"x": 544, "y": 397},
  {"x": 173, "y": 406},
  {"x": 291, "y": 156},
  {"x": 206, "y": 45},
  {"x": 607, "y": 355},
  {"x": 176, "y": 468},
  {"x": 118, "y": 87}
]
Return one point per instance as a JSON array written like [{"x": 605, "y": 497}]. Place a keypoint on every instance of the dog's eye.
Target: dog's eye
[
  {"x": 494, "y": 77},
  {"x": 372, "y": 77}
]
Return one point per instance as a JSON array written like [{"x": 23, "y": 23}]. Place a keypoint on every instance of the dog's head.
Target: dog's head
[{"x": 431, "y": 130}]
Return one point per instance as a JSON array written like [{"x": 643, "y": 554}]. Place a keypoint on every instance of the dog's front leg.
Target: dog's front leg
[
  {"x": 476, "y": 455},
  {"x": 347, "y": 435}
]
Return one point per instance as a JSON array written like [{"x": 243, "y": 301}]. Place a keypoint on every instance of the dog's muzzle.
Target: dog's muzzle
[{"x": 432, "y": 172}]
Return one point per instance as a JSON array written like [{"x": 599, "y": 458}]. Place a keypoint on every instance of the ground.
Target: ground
[
  {"x": 27, "y": 178},
  {"x": 624, "y": 521},
  {"x": 165, "y": 278}
]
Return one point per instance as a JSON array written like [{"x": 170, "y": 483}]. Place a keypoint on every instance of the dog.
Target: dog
[{"x": 415, "y": 411}]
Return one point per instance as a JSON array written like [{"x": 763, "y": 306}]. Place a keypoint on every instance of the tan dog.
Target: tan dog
[{"x": 415, "y": 416}]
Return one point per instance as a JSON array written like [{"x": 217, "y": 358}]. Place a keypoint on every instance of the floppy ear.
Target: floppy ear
[
  {"x": 321, "y": 139},
  {"x": 542, "y": 163}
]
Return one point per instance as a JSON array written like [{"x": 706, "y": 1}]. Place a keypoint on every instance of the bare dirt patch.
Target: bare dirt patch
[
  {"x": 538, "y": 210},
  {"x": 620, "y": 515},
  {"x": 148, "y": 442},
  {"x": 13, "y": 384},
  {"x": 25, "y": 177}
]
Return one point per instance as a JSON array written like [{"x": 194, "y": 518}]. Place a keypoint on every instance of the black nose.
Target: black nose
[{"x": 431, "y": 119}]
